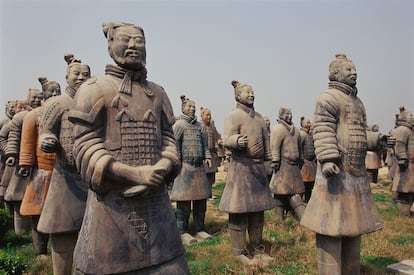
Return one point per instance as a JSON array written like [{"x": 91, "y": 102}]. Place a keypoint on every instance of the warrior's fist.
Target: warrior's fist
[
  {"x": 242, "y": 141},
  {"x": 48, "y": 143},
  {"x": 208, "y": 162},
  {"x": 275, "y": 166},
  {"x": 11, "y": 161},
  {"x": 330, "y": 169},
  {"x": 24, "y": 171}
]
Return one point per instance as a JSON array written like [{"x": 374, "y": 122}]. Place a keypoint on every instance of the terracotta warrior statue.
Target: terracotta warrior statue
[
  {"x": 126, "y": 152},
  {"x": 65, "y": 202},
  {"x": 36, "y": 165},
  {"x": 308, "y": 169},
  {"x": 4, "y": 132},
  {"x": 268, "y": 163},
  {"x": 286, "y": 183},
  {"x": 246, "y": 195},
  {"x": 403, "y": 182},
  {"x": 374, "y": 152},
  {"x": 341, "y": 207},
  {"x": 17, "y": 185},
  {"x": 191, "y": 186},
  {"x": 214, "y": 143}
]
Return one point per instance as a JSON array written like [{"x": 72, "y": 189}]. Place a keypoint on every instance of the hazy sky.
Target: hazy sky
[{"x": 281, "y": 48}]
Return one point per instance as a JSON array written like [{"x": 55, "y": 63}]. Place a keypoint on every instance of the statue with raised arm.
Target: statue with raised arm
[
  {"x": 246, "y": 195},
  {"x": 125, "y": 151},
  {"x": 341, "y": 207},
  {"x": 65, "y": 202}
]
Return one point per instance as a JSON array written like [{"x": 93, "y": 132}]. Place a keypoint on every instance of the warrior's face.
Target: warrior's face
[
  {"x": 286, "y": 116},
  {"x": 34, "y": 98},
  {"x": 347, "y": 73},
  {"x": 189, "y": 108},
  {"x": 245, "y": 96},
  {"x": 206, "y": 117},
  {"x": 10, "y": 109},
  {"x": 77, "y": 74},
  {"x": 128, "y": 48},
  {"x": 52, "y": 89},
  {"x": 306, "y": 124}
]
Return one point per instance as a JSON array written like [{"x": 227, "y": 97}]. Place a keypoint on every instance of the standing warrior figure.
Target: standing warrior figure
[
  {"x": 191, "y": 185},
  {"x": 403, "y": 182},
  {"x": 286, "y": 183},
  {"x": 65, "y": 203},
  {"x": 4, "y": 133},
  {"x": 17, "y": 185},
  {"x": 341, "y": 207},
  {"x": 246, "y": 195},
  {"x": 374, "y": 153},
  {"x": 38, "y": 166},
  {"x": 214, "y": 141},
  {"x": 126, "y": 153},
  {"x": 308, "y": 169}
]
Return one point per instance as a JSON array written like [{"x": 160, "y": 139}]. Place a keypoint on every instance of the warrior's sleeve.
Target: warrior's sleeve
[
  {"x": 324, "y": 131},
  {"x": 4, "y": 134},
  {"x": 89, "y": 118},
  {"x": 266, "y": 139},
  {"x": 401, "y": 141},
  {"x": 169, "y": 148},
  {"x": 13, "y": 141},
  {"x": 204, "y": 137},
  {"x": 276, "y": 141},
  {"x": 231, "y": 132},
  {"x": 178, "y": 136},
  {"x": 50, "y": 122},
  {"x": 27, "y": 155}
]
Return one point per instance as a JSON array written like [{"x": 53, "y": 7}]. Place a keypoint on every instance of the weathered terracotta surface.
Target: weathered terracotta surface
[
  {"x": 341, "y": 205},
  {"x": 125, "y": 151}
]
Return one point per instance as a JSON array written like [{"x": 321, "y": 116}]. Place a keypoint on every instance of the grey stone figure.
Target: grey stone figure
[
  {"x": 4, "y": 132},
  {"x": 268, "y": 163},
  {"x": 214, "y": 143},
  {"x": 246, "y": 195},
  {"x": 341, "y": 207},
  {"x": 403, "y": 181},
  {"x": 191, "y": 185},
  {"x": 65, "y": 202},
  {"x": 38, "y": 166},
  {"x": 308, "y": 169},
  {"x": 17, "y": 185},
  {"x": 286, "y": 183},
  {"x": 374, "y": 152},
  {"x": 126, "y": 152}
]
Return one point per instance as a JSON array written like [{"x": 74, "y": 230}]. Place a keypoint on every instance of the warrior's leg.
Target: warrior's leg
[
  {"x": 39, "y": 239},
  {"x": 62, "y": 252},
  {"x": 351, "y": 247},
  {"x": 329, "y": 254}
]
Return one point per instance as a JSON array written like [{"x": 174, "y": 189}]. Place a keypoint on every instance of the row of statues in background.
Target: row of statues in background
[{"x": 91, "y": 168}]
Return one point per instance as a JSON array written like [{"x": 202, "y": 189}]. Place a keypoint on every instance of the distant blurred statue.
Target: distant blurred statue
[
  {"x": 126, "y": 152},
  {"x": 65, "y": 202},
  {"x": 308, "y": 169},
  {"x": 403, "y": 182},
  {"x": 214, "y": 143},
  {"x": 5, "y": 171},
  {"x": 341, "y": 207},
  {"x": 192, "y": 185},
  {"x": 17, "y": 185},
  {"x": 246, "y": 195},
  {"x": 286, "y": 183},
  {"x": 374, "y": 151},
  {"x": 37, "y": 166}
]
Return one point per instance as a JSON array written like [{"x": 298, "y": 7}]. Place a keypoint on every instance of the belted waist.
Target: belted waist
[
  {"x": 196, "y": 162},
  {"x": 246, "y": 159}
]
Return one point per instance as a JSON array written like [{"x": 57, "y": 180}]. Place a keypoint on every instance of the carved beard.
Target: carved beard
[{"x": 129, "y": 62}]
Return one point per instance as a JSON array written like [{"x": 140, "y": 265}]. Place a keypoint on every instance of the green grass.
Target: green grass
[{"x": 292, "y": 246}]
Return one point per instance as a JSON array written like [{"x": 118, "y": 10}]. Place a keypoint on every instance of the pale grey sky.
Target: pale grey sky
[{"x": 196, "y": 48}]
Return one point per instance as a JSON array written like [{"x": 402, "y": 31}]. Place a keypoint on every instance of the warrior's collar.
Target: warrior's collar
[
  {"x": 305, "y": 129},
  {"x": 245, "y": 108},
  {"x": 127, "y": 77},
  {"x": 352, "y": 91},
  {"x": 70, "y": 91},
  {"x": 189, "y": 119},
  {"x": 290, "y": 128}
]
